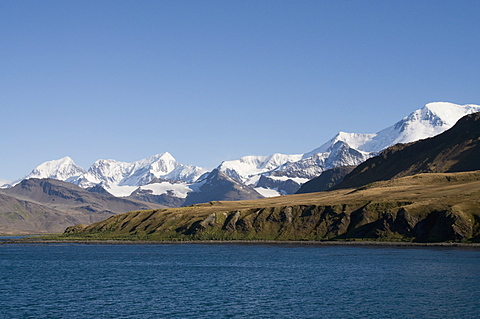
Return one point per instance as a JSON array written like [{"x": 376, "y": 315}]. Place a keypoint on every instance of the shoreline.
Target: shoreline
[{"x": 242, "y": 242}]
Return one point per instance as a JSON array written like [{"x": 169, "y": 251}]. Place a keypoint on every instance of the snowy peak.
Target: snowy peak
[
  {"x": 112, "y": 173},
  {"x": 450, "y": 113},
  {"x": 429, "y": 121},
  {"x": 163, "y": 166},
  {"x": 354, "y": 140},
  {"x": 105, "y": 172},
  {"x": 243, "y": 169},
  {"x": 117, "y": 176},
  {"x": 157, "y": 165},
  {"x": 63, "y": 169}
]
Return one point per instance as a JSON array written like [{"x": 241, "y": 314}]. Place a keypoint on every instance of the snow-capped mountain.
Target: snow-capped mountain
[
  {"x": 118, "y": 178},
  {"x": 432, "y": 119},
  {"x": 277, "y": 174},
  {"x": 347, "y": 148},
  {"x": 249, "y": 168},
  {"x": 112, "y": 173},
  {"x": 63, "y": 169}
]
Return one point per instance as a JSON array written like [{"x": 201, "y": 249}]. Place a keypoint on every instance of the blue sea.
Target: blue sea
[{"x": 237, "y": 281}]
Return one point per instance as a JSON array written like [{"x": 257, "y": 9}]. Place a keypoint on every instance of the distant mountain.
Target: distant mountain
[
  {"x": 63, "y": 169},
  {"x": 49, "y": 205},
  {"x": 119, "y": 178},
  {"x": 248, "y": 169},
  {"x": 455, "y": 150},
  {"x": 111, "y": 173}
]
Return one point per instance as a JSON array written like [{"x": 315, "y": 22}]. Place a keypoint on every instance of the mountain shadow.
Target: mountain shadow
[{"x": 326, "y": 180}]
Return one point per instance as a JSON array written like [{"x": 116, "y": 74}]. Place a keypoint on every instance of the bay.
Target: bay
[{"x": 237, "y": 281}]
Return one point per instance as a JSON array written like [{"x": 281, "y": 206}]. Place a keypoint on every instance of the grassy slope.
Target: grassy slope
[{"x": 425, "y": 208}]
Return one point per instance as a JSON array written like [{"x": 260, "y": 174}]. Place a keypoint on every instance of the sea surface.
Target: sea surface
[{"x": 237, "y": 281}]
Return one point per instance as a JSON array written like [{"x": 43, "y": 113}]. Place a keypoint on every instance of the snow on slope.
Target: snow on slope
[
  {"x": 179, "y": 190},
  {"x": 354, "y": 140},
  {"x": 119, "y": 178},
  {"x": 267, "y": 192},
  {"x": 4, "y": 183},
  {"x": 431, "y": 120},
  {"x": 338, "y": 154},
  {"x": 248, "y": 168},
  {"x": 63, "y": 169},
  {"x": 112, "y": 173},
  {"x": 120, "y": 191}
]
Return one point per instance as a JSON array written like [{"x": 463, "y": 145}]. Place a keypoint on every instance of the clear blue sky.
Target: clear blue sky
[{"x": 216, "y": 80}]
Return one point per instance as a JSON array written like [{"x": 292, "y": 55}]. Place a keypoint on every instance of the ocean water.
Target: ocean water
[{"x": 237, "y": 281}]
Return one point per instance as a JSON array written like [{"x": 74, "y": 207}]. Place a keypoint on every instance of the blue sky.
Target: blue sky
[{"x": 216, "y": 80}]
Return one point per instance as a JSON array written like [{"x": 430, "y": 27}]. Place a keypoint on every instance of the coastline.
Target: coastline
[{"x": 242, "y": 242}]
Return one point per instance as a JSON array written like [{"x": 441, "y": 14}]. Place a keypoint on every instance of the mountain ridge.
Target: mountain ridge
[
  {"x": 272, "y": 175},
  {"x": 49, "y": 205}
]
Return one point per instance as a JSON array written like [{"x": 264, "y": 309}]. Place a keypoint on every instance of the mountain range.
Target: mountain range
[{"x": 163, "y": 180}]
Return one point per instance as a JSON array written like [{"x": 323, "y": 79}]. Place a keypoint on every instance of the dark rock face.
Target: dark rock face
[
  {"x": 168, "y": 199},
  {"x": 218, "y": 186},
  {"x": 326, "y": 180},
  {"x": 98, "y": 189},
  {"x": 455, "y": 150}
]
